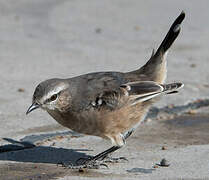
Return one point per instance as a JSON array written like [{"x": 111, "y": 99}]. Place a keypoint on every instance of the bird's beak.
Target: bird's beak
[{"x": 32, "y": 107}]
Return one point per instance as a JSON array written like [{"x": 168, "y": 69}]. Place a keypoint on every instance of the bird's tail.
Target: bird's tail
[
  {"x": 172, "y": 34},
  {"x": 155, "y": 69}
]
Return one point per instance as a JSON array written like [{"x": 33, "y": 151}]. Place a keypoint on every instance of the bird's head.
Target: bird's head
[{"x": 51, "y": 95}]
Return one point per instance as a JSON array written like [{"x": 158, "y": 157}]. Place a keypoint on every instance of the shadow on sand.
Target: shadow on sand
[{"x": 28, "y": 152}]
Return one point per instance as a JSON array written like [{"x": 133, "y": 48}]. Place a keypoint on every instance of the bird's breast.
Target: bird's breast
[{"x": 103, "y": 123}]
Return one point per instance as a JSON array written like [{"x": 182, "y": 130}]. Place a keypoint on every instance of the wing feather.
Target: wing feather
[{"x": 134, "y": 93}]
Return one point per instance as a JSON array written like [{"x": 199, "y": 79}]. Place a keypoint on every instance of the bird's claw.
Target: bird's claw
[
  {"x": 115, "y": 160},
  {"x": 81, "y": 161},
  {"x": 84, "y": 163},
  {"x": 89, "y": 163},
  {"x": 63, "y": 164}
]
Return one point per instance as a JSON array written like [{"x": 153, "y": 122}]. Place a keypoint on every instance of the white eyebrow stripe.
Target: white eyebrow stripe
[{"x": 55, "y": 91}]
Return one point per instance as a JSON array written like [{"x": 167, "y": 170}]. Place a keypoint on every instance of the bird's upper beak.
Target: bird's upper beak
[{"x": 32, "y": 107}]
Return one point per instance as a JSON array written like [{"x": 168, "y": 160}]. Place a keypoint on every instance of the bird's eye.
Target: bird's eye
[{"x": 53, "y": 97}]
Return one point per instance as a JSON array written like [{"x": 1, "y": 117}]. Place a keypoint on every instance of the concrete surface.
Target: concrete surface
[{"x": 65, "y": 38}]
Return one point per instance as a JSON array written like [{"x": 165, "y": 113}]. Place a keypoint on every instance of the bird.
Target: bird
[{"x": 109, "y": 104}]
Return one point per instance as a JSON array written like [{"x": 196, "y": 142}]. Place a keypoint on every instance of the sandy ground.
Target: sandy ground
[{"x": 65, "y": 38}]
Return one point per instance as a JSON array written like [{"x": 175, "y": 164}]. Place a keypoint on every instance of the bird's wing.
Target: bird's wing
[
  {"x": 145, "y": 90},
  {"x": 131, "y": 94},
  {"x": 91, "y": 88}
]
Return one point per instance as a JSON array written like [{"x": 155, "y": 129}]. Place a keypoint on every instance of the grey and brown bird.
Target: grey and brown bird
[{"x": 108, "y": 104}]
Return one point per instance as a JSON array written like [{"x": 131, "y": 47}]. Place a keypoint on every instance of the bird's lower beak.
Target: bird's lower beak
[{"x": 32, "y": 107}]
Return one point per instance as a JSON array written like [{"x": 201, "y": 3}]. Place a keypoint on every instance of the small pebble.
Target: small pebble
[
  {"x": 148, "y": 120},
  {"x": 59, "y": 137},
  {"x": 171, "y": 106},
  {"x": 164, "y": 163},
  {"x": 81, "y": 170},
  {"x": 98, "y": 30},
  {"x": 17, "y": 18},
  {"x": 164, "y": 148},
  {"x": 193, "y": 65},
  {"x": 156, "y": 166},
  {"x": 137, "y": 28},
  {"x": 192, "y": 112},
  {"x": 21, "y": 90},
  {"x": 198, "y": 101},
  {"x": 206, "y": 85}
]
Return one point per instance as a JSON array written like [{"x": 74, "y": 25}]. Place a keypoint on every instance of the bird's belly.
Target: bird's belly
[
  {"x": 103, "y": 123},
  {"x": 124, "y": 119},
  {"x": 108, "y": 123}
]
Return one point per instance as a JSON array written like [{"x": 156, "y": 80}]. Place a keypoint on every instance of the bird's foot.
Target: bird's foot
[
  {"x": 84, "y": 163},
  {"x": 89, "y": 163},
  {"x": 64, "y": 164},
  {"x": 110, "y": 159}
]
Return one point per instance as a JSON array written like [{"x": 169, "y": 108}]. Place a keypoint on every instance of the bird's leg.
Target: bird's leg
[
  {"x": 126, "y": 135},
  {"x": 103, "y": 157},
  {"x": 109, "y": 157},
  {"x": 96, "y": 161}
]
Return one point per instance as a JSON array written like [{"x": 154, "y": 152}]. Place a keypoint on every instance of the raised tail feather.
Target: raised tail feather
[
  {"x": 156, "y": 69},
  {"x": 172, "y": 34}
]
